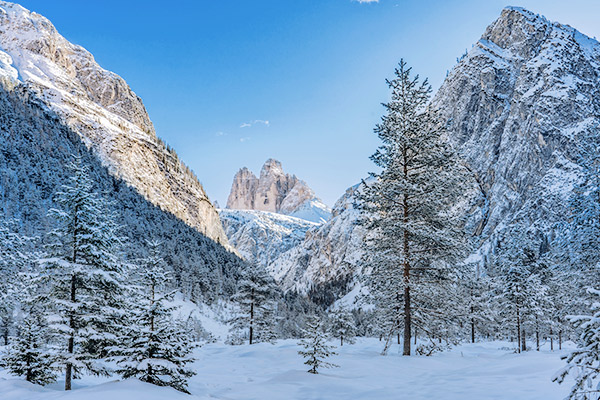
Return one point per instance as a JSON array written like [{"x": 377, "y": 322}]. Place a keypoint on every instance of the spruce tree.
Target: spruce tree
[
  {"x": 86, "y": 276},
  {"x": 520, "y": 291},
  {"x": 157, "y": 349},
  {"x": 584, "y": 362},
  {"x": 13, "y": 258},
  {"x": 255, "y": 297},
  {"x": 29, "y": 354},
  {"x": 316, "y": 350},
  {"x": 407, "y": 207},
  {"x": 341, "y": 325}
]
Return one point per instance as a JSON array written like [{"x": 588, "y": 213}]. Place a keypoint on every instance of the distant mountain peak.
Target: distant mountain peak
[{"x": 276, "y": 191}]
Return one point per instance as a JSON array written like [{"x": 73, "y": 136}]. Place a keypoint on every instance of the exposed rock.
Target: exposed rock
[
  {"x": 515, "y": 105},
  {"x": 275, "y": 191},
  {"x": 104, "y": 111}
]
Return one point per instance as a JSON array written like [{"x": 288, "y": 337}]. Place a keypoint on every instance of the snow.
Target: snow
[{"x": 488, "y": 370}]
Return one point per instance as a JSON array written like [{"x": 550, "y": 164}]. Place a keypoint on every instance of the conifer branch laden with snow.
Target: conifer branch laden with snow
[
  {"x": 86, "y": 278},
  {"x": 255, "y": 297},
  {"x": 316, "y": 350},
  {"x": 584, "y": 362},
  {"x": 342, "y": 326},
  {"x": 156, "y": 348},
  {"x": 414, "y": 238}
]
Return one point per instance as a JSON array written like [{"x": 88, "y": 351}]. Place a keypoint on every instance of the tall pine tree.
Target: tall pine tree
[{"x": 407, "y": 206}]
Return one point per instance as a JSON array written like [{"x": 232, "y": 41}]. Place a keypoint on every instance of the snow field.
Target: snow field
[{"x": 263, "y": 371}]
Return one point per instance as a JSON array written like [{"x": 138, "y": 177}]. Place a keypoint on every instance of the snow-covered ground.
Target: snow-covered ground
[{"x": 268, "y": 372}]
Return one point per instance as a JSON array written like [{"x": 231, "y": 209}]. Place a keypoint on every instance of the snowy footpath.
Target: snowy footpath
[{"x": 265, "y": 372}]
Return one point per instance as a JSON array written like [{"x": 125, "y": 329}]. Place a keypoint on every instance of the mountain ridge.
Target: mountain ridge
[{"x": 100, "y": 106}]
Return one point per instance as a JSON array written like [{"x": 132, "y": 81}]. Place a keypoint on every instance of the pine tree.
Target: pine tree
[
  {"x": 255, "y": 297},
  {"x": 342, "y": 326},
  {"x": 585, "y": 360},
  {"x": 29, "y": 354},
  {"x": 520, "y": 291},
  {"x": 316, "y": 350},
  {"x": 157, "y": 349},
  {"x": 87, "y": 278},
  {"x": 414, "y": 237},
  {"x": 13, "y": 257}
]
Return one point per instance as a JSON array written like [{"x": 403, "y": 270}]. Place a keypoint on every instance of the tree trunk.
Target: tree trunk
[
  {"x": 518, "y": 330},
  {"x": 251, "y": 315},
  {"x": 472, "y": 330},
  {"x": 524, "y": 344},
  {"x": 407, "y": 321},
  {"x": 560, "y": 340},
  {"x": 551, "y": 340},
  {"x": 71, "y": 342},
  {"x": 537, "y": 334},
  {"x": 415, "y": 336},
  {"x": 406, "y": 272}
]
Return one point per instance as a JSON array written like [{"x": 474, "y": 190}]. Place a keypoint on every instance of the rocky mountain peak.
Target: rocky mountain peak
[
  {"x": 271, "y": 167},
  {"x": 275, "y": 191}
]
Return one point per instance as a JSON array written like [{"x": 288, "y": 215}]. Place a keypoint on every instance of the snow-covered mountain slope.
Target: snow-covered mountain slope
[
  {"x": 515, "y": 106},
  {"x": 104, "y": 111},
  {"x": 328, "y": 255},
  {"x": 261, "y": 236},
  {"x": 275, "y": 191}
]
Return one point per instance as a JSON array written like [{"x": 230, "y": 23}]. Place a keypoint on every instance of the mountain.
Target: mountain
[
  {"x": 277, "y": 192},
  {"x": 261, "y": 236},
  {"x": 56, "y": 102},
  {"x": 103, "y": 110},
  {"x": 514, "y": 106},
  {"x": 329, "y": 256}
]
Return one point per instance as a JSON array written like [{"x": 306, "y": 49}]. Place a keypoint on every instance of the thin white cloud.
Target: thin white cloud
[
  {"x": 256, "y": 121},
  {"x": 220, "y": 134},
  {"x": 366, "y": 1},
  {"x": 244, "y": 139}
]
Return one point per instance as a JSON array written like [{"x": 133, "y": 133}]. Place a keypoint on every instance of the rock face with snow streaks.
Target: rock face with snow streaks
[
  {"x": 277, "y": 192},
  {"x": 104, "y": 111}
]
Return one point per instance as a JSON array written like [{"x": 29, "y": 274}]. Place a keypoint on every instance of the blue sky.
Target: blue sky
[{"x": 231, "y": 83}]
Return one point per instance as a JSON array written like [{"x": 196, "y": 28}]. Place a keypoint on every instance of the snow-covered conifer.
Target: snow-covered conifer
[
  {"x": 157, "y": 349},
  {"x": 86, "y": 293},
  {"x": 29, "y": 354},
  {"x": 414, "y": 237},
  {"x": 255, "y": 297},
  {"x": 584, "y": 362},
  {"x": 316, "y": 350},
  {"x": 13, "y": 257},
  {"x": 341, "y": 325}
]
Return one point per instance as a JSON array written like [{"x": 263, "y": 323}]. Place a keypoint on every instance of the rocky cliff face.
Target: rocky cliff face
[
  {"x": 514, "y": 106},
  {"x": 104, "y": 111},
  {"x": 277, "y": 192},
  {"x": 329, "y": 254}
]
